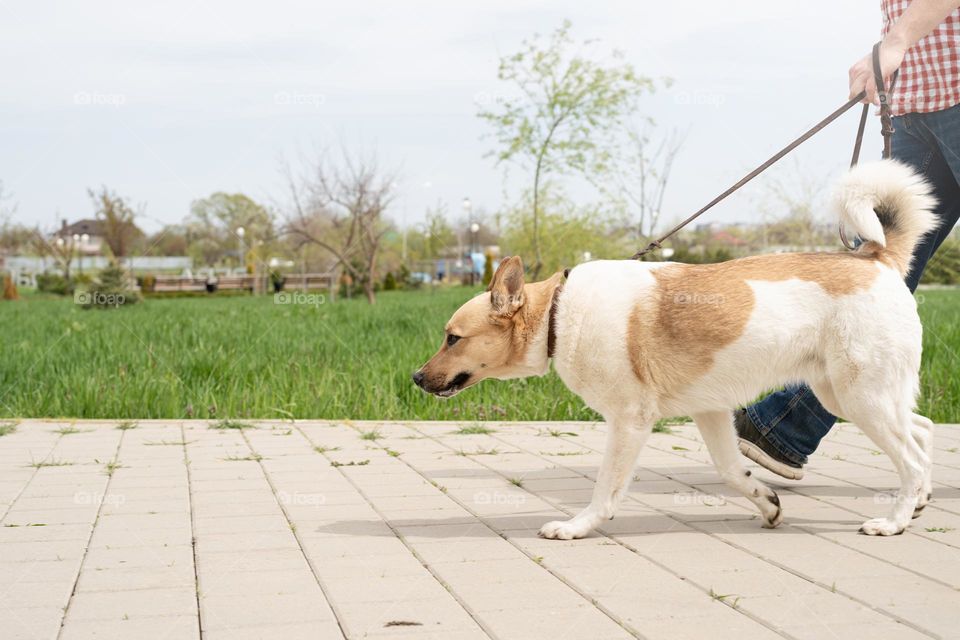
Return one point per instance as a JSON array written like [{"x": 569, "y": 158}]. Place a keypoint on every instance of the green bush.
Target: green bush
[
  {"x": 487, "y": 268},
  {"x": 220, "y": 293},
  {"x": 404, "y": 278},
  {"x": 148, "y": 283},
  {"x": 944, "y": 267},
  {"x": 54, "y": 283},
  {"x": 110, "y": 290},
  {"x": 389, "y": 282}
]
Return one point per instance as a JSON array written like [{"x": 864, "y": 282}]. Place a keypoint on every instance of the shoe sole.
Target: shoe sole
[{"x": 764, "y": 459}]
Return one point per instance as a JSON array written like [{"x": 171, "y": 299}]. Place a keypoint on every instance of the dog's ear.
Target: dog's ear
[{"x": 506, "y": 287}]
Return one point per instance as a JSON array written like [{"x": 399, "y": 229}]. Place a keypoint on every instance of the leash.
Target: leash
[
  {"x": 886, "y": 128},
  {"x": 886, "y": 124}
]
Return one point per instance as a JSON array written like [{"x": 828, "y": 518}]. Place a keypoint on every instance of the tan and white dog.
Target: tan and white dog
[{"x": 643, "y": 340}]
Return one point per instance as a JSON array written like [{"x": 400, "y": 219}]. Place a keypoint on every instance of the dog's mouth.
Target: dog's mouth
[{"x": 454, "y": 387}]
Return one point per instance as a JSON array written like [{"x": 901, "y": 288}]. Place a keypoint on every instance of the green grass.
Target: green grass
[
  {"x": 479, "y": 452},
  {"x": 66, "y": 431},
  {"x": 52, "y": 462},
  {"x": 473, "y": 430},
  {"x": 247, "y": 358},
  {"x": 352, "y": 463},
  {"x": 111, "y": 467},
  {"x": 323, "y": 449},
  {"x": 224, "y": 425},
  {"x": 253, "y": 457}
]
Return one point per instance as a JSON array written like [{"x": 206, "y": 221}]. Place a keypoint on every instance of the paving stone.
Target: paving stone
[{"x": 293, "y": 547}]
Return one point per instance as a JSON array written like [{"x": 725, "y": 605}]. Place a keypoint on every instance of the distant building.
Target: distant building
[{"x": 87, "y": 233}]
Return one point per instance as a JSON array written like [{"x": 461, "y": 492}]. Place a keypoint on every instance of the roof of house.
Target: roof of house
[{"x": 86, "y": 226}]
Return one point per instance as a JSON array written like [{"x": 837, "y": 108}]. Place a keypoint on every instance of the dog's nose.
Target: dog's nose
[{"x": 418, "y": 378}]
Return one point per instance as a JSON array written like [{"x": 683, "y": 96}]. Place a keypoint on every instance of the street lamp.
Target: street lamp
[
  {"x": 474, "y": 228},
  {"x": 468, "y": 209},
  {"x": 76, "y": 247},
  {"x": 240, "y": 232},
  {"x": 84, "y": 239}
]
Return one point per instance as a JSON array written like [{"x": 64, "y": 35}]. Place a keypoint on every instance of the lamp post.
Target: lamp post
[
  {"x": 84, "y": 239},
  {"x": 468, "y": 209},
  {"x": 76, "y": 247},
  {"x": 240, "y": 232},
  {"x": 65, "y": 256},
  {"x": 474, "y": 245}
]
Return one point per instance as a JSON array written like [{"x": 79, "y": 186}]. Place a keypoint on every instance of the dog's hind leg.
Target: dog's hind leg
[
  {"x": 922, "y": 432},
  {"x": 625, "y": 439},
  {"x": 718, "y": 432},
  {"x": 893, "y": 432}
]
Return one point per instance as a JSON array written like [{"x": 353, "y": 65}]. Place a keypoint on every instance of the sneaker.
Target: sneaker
[{"x": 760, "y": 450}]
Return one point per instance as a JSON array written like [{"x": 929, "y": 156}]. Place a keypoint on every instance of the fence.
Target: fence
[{"x": 292, "y": 282}]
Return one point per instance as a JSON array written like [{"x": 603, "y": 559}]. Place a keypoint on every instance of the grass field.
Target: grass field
[{"x": 245, "y": 357}]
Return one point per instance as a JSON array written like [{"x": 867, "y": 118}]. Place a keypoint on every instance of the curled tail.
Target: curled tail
[{"x": 889, "y": 206}]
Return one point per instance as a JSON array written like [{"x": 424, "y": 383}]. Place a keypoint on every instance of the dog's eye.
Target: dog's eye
[{"x": 452, "y": 340}]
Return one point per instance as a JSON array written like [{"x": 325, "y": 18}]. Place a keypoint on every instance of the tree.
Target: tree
[
  {"x": 117, "y": 220},
  {"x": 61, "y": 249},
  {"x": 565, "y": 114},
  {"x": 792, "y": 210},
  {"x": 13, "y": 237},
  {"x": 640, "y": 178},
  {"x": 570, "y": 234},
  {"x": 487, "y": 268},
  {"x": 340, "y": 208},
  {"x": 111, "y": 289},
  {"x": 171, "y": 240},
  {"x": 213, "y": 227},
  {"x": 431, "y": 239}
]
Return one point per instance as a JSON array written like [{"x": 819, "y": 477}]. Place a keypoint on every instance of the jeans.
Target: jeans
[{"x": 792, "y": 420}]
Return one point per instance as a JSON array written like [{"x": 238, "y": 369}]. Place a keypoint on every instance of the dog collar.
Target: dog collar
[{"x": 552, "y": 321}]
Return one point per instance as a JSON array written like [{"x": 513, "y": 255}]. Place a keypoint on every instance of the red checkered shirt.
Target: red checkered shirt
[{"x": 930, "y": 74}]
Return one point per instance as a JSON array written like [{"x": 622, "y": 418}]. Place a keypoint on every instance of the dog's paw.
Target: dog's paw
[
  {"x": 922, "y": 501},
  {"x": 771, "y": 511},
  {"x": 881, "y": 527},
  {"x": 564, "y": 529}
]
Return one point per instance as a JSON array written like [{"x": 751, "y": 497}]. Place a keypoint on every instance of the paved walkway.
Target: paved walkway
[{"x": 176, "y": 530}]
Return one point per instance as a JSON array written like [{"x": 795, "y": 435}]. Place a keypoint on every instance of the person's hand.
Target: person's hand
[{"x": 861, "y": 73}]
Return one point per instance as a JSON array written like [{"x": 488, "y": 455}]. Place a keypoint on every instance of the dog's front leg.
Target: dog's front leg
[{"x": 625, "y": 439}]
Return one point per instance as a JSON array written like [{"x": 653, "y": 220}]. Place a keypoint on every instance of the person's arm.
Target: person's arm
[{"x": 920, "y": 18}]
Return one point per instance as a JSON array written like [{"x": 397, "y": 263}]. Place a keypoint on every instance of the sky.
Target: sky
[{"x": 169, "y": 102}]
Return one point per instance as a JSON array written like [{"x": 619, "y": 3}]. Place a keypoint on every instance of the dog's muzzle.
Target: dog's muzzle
[
  {"x": 450, "y": 389},
  {"x": 418, "y": 378}
]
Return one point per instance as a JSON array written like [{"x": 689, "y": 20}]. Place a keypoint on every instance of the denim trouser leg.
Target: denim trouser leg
[{"x": 792, "y": 420}]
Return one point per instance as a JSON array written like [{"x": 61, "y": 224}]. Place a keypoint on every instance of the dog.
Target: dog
[{"x": 639, "y": 341}]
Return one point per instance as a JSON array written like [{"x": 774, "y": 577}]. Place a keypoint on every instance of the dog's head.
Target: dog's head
[{"x": 496, "y": 334}]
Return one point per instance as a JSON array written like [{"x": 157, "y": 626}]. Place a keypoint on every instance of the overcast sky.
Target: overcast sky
[{"x": 169, "y": 102}]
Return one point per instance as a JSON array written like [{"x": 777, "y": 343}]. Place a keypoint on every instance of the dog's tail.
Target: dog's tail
[{"x": 889, "y": 206}]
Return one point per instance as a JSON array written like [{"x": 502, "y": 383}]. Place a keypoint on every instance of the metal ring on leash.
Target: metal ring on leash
[{"x": 843, "y": 238}]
